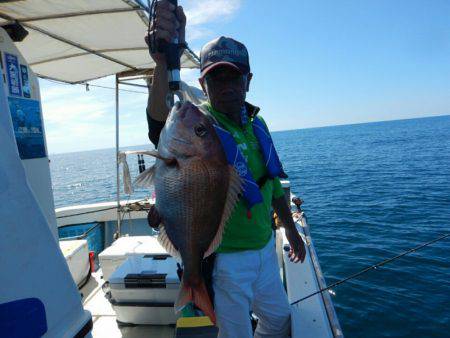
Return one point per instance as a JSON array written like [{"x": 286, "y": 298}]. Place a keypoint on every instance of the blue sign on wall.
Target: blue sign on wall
[
  {"x": 13, "y": 74},
  {"x": 25, "y": 81},
  {"x": 27, "y": 124}
]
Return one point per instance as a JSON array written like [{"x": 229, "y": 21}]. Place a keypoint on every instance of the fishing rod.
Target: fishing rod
[
  {"x": 373, "y": 267},
  {"x": 171, "y": 50}
]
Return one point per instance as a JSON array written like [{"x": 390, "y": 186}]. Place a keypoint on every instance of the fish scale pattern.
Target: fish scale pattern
[{"x": 191, "y": 199}]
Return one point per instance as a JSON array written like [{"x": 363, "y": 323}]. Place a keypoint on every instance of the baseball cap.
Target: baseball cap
[{"x": 224, "y": 51}]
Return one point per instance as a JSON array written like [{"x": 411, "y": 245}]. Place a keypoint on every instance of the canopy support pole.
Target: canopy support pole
[{"x": 117, "y": 159}]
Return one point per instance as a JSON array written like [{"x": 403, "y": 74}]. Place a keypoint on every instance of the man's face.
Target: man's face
[{"x": 226, "y": 88}]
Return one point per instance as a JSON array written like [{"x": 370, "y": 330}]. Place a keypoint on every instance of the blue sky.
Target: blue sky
[{"x": 315, "y": 63}]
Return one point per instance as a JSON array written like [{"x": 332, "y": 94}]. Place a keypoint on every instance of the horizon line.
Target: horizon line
[{"x": 273, "y": 131}]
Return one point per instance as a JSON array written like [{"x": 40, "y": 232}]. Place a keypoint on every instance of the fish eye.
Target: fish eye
[{"x": 200, "y": 130}]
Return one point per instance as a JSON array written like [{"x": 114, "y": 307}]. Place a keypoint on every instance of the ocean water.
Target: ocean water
[{"x": 370, "y": 191}]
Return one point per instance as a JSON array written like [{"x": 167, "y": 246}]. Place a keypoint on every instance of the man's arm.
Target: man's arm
[
  {"x": 297, "y": 252},
  {"x": 157, "y": 92},
  {"x": 157, "y": 109},
  {"x": 165, "y": 26}
]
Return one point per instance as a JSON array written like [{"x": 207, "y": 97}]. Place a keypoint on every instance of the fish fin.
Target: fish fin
[
  {"x": 154, "y": 153},
  {"x": 199, "y": 296},
  {"x": 145, "y": 179},
  {"x": 165, "y": 242},
  {"x": 153, "y": 218},
  {"x": 184, "y": 297},
  {"x": 234, "y": 189}
]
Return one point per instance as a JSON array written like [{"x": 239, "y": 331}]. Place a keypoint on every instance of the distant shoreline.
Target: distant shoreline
[{"x": 274, "y": 131}]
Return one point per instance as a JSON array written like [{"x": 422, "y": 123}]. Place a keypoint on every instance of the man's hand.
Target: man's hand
[
  {"x": 166, "y": 26},
  {"x": 297, "y": 252}
]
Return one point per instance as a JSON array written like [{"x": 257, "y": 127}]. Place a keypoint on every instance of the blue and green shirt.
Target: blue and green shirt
[{"x": 241, "y": 232}]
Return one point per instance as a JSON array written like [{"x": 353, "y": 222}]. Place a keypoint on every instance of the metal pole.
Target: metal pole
[{"x": 117, "y": 157}]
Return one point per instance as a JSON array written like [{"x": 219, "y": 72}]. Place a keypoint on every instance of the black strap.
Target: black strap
[
  {"x": 84, "y": 331},
  {"x": 263, "y": 181},
  {"x": 154, "y": 129}
]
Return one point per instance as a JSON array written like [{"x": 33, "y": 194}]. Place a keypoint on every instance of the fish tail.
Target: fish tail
[{"x": 199, "y": 296}]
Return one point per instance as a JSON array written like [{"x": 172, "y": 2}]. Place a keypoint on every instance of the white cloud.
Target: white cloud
[
  {"x": 197, "y": 33},
  {"x": 76, "y": 119},
  {"x": 190, "y": 76},
  {"x": 80, "y": 136},
  {"x": 74, "y": 109},
  {"x": 201, "y": 12}
]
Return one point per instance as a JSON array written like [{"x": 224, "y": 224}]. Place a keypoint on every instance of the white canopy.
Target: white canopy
[{"x": 79, "y": 40}]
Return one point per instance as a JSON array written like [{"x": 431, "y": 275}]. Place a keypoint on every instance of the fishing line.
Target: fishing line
[{"x": 373, "y": 267}]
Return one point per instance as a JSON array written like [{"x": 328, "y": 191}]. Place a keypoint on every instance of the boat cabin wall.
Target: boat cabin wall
[
  {"x": 38, "y": 296},
  {"x": 23, "y": 108}
]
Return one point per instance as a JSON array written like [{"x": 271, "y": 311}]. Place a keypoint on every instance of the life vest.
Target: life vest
[{"x": 250, "y": 188}]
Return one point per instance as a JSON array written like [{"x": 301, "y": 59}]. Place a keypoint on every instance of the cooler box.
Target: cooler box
[
  {"x": 76, "y": 253},
  {"x": 143, "y": 290},
  {"x": 124, "y": 247}
]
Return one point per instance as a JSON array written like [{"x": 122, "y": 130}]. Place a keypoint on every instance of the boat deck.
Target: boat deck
[
  {"x": 104, "y": 317},
  {"x": 314, "y": 317}
]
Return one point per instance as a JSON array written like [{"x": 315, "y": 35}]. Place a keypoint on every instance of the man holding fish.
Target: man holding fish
[{"x": 206, "y": 199}]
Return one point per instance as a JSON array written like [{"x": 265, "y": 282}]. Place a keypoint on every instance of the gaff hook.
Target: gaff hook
[{"x": 170, "y": 98}]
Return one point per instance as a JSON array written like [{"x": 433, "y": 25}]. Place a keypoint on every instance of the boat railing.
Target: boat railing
[{"x": 327, "y": 301}]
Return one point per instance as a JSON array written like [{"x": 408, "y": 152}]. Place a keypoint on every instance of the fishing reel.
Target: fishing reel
[{"x": 172, "y": 52}]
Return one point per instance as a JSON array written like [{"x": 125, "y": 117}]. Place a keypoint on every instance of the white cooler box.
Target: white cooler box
[
  {"x": 76, "y": 253},
  {"x": 143, "y": 290},
  {"x": 124, "y": 247}
]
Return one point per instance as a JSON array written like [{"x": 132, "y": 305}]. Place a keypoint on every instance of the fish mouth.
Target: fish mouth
[
  {"x": 180, "y": 140},
  {"x": 177, "y": 150},
  {"x": 179, "y": 154}
]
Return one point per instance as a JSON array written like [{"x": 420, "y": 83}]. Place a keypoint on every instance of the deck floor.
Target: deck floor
[
  {"x": 309, "y": 318},
  {"x": 104, "y": 317}
]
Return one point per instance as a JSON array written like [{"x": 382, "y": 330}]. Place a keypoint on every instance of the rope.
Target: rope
[
  {"x": 97, "y": 86},
  {"x": 99, "y": 210},
  {"x": 122, "y": 90},
  {"x": 373, "y": 267},
  {"x": 83, "y": 236}
]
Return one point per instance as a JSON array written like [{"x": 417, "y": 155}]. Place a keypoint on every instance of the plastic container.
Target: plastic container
[
  {"x": 76, "y": 254},
  {"x": 95, "y": 234},
  {"x": 143, "y": 290},
  {"x": 127, "y": 246}
]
